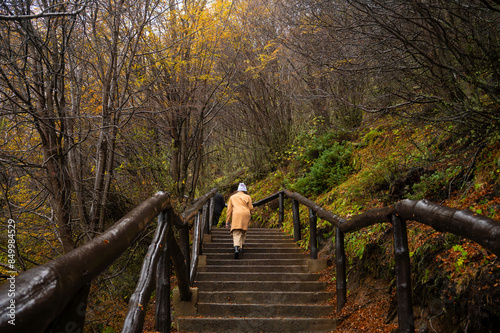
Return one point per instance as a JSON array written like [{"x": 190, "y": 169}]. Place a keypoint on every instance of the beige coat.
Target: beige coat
[{"x": 239, "y": 207}]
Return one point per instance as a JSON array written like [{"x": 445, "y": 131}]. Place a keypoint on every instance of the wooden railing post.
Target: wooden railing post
[
  {"x": 203, "y": 226},
  {"x": 184, "y": 246},
  {"x": 137, "y": 305},
  {"x": 281, "y": 209},
  {"x": 162, "y": 312},
  {"x": 196, "y": 246},
  {"x": 181, "y": 271},
  {"x": 313, "y": 241},
  {"x": 296, "y": 221},
  {"x": 340, "y": 261},
  {"x": 206, "y": 223},
  {"x": 403, "y": 277},
  {"x": 211, "y": 214}
]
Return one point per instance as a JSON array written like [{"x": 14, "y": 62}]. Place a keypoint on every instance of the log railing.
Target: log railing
[
  {"x": 159, "y": 255},
  {"x": 53, "y": 297},
  {"x": 464, "y": 223}
]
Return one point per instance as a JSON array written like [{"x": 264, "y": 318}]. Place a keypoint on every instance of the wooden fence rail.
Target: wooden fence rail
[
  {"x": 464, "y": 223},
  {"x": 53, "y": 297}
]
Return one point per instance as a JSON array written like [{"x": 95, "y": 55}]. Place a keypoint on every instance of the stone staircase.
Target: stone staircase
[{"x": 268, "y": 289}]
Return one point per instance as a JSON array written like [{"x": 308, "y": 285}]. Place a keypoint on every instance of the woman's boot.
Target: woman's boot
[{"x": 236, "y": 252}]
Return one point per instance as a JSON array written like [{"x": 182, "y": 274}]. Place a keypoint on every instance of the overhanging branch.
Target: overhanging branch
[{"x": 41, "y": 15}]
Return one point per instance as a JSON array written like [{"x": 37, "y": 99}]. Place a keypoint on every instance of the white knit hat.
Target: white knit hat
[{"x": 242, "y": 187}]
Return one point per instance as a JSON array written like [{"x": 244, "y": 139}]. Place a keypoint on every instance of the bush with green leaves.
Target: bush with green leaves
[
  {"x": 434, "y": 185},
  {"x": 330, "y": 168}
]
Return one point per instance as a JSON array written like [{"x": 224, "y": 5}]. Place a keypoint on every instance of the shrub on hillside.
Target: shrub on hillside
[{"x": 332, "y": 166}]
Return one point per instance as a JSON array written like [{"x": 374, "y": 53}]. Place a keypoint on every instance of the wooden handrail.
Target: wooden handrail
[
  {"x": 189, "y": 213},
  {"x": 266, "y": 200},
  {"x": 464, "y": 223},
  {"x": 43, "y": 292},
  {"x": 366, "y": 219},
  {"x": 54, "y": 296},
  {"x": 320, "y": 212},
  {"x": 185, "y": 272}
]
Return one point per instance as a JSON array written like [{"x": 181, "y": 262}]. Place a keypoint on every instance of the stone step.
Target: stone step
[
  {"x": 257, "y": 297},
  {"x": 251, "y": 233},
  {"x": 249, "y": 246},
  {"x": 252, "y": 325},
  {"x": 228, "y": 241},
  {"x": 250, "y": 243},
  {"x": 263, "y": 310},
  {"x": 266, "y": 231},
  {"x": 268, "y": 289},
  {"x": 243, "y": 261},
  {"x": 260, "y": 286},
  {"x": 253, "y": 268},
  {"x": 263, "y": 255},
  {"x": 252, "y": 249},
  {"x": 253, "y": 236},
  {"x": 260, "y": 276}
]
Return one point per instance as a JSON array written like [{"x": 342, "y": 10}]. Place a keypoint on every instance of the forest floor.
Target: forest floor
[{"x": 368, "y": 305}]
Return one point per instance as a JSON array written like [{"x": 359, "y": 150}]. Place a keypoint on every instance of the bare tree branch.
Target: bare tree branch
[{"x": 46, "y": 13}]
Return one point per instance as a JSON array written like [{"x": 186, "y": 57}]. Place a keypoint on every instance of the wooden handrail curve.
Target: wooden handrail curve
[
  {"x": 478, "y": 228},
  {"x": 53, "y": 297},
  {"x": 190, "y": 212},
  {"x": 462, "y": 222},
  {"x": 43, "y": 292}
]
